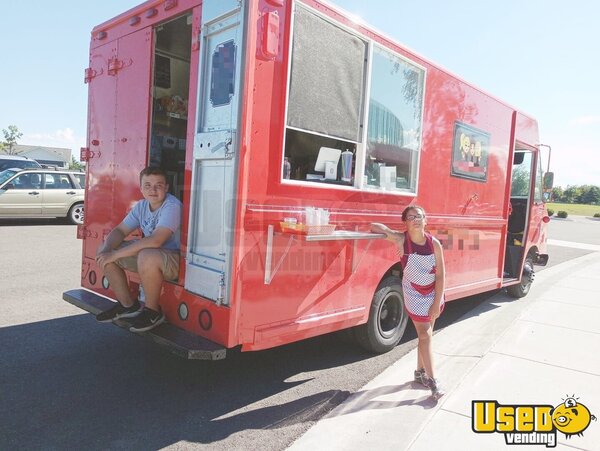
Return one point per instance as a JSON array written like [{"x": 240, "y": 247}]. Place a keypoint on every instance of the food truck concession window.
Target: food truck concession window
[
  {"x": 326, "y": 97},
  {"x": 330, "y": 100}
]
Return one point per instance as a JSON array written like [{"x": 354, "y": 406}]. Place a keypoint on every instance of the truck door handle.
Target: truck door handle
[
  {"x": 33, "y": 193},
  {"x": 71, "y": 192}
]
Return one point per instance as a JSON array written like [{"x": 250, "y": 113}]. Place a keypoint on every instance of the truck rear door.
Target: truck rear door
[{"x": 215, "y": 150}]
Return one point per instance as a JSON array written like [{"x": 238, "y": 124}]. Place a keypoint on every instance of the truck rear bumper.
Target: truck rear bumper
[{"x": 176, "y": 340}]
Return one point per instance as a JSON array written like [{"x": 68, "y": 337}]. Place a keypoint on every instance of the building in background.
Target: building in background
[{"x": 55, "y": 156}]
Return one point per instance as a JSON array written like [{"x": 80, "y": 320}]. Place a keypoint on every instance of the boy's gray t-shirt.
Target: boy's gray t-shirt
[{"x": 167, "y": 215}]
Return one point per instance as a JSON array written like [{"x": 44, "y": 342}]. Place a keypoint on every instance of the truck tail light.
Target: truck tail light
[
  {"x": 270, "y": 37},
  {"x": 546, "y": 219}
]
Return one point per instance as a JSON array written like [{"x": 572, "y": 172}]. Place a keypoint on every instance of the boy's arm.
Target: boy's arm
[
  {"x": 154, "y": 241},
  {"x": 114, "y": 238}
]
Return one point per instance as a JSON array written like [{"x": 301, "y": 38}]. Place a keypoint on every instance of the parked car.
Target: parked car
[
  {"x": 16, "y": 161},
  {"x": 42, "y": 193}
]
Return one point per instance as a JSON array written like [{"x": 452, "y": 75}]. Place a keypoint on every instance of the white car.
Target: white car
[{"x": 42, "y": 193}]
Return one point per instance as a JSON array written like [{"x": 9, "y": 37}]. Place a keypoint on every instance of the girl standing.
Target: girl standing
[{"x": 423, "y": 285}]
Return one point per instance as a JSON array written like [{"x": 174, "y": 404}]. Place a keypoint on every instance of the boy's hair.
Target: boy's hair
[
  {"x": 412, "y": 207},
  {"x": 153, "y": 170}
]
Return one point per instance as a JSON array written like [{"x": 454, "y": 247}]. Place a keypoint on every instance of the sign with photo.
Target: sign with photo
[{"x": 470, "y": 152}]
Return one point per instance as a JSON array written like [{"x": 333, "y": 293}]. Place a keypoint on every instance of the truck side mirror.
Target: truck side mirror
[{"x": 548, "y": 180}]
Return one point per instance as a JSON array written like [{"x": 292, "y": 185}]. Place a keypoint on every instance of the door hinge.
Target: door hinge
[
  {"x": 91, "y": 74},
  {"x": 85, "y": 154},
  {"x": 83, "y": 232},
  {"x": 115, "y": 65}
]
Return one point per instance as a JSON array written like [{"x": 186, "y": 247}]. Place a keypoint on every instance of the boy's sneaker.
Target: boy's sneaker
[
  {"x": 420, "y": 376},
  {"x": 436, "y": 390},
  {"x": 147, "y": 320},
  {"x": 118, "y": 311}
]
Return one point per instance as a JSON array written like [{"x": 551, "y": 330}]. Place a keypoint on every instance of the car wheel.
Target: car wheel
[
  {"x": 76, "y": 214},
  {"x": 387, "y": 318},
  {"x": 522, "y": 288}
]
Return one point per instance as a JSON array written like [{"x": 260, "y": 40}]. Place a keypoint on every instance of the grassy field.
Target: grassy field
[{"x": 574, "y": 209}]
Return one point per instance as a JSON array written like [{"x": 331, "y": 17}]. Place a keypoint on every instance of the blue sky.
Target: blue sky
[{"x": 538, "y": 55}]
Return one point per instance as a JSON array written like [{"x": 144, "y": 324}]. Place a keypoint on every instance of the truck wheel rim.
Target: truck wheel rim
[
  {"x": 390, "y": 315},
  {"x": 527, "y": 277}
]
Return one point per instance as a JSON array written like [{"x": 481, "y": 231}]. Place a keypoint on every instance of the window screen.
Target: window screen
[{"x": 327, "y": 78}]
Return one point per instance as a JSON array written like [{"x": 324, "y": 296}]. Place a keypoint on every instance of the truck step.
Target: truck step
[{"x": 178, "y": 341}]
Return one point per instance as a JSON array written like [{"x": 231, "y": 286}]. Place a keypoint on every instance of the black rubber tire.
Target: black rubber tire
[
  {"x": 387, "y": 318},
  {"x": 522, "y": 288},
  {"x": 75, "y": 215}
]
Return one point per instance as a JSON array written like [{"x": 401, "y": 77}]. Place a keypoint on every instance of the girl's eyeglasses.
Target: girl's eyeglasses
[{"x": 414, "y": 217}]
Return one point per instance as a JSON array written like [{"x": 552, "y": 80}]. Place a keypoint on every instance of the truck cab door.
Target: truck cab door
[
  {"x": 537, "y": 226},
  {"x": 520, "y": 218}
]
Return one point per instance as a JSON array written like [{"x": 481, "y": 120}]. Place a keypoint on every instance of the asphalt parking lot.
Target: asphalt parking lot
[{"x": 68, "y": 382}]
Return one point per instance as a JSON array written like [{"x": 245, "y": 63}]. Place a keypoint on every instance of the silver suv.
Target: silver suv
[
  {"x": 42, "y": 193},
  {"x": 16, "y": 161}
]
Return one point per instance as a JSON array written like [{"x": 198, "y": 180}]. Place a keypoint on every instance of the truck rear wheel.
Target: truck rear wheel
[
  {"x": 387, "y": 318},
  {"x": 522, "y": 288}
]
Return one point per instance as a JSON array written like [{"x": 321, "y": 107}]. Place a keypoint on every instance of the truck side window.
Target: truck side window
[
  {"x": 539, "y": 181},
  {"x": 395, "y": 122},
  {"x": 521, "y": 175},
  {"x": 223, "y": 74}
]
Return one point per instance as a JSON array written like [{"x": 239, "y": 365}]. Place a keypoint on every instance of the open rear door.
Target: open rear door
[
  {"x": 214, "y": 170},
  {"x": 119, "y": 82}
]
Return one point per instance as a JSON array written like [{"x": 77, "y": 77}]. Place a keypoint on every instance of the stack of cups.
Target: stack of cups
[
  {"x": 311, "y": 216},
  {"x": 316, "y": 216}
]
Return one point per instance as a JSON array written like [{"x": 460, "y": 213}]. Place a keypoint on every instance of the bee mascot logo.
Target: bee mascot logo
[{"x": 531, "y": 424}]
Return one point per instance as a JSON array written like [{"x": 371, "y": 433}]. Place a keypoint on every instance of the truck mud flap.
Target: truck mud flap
[{"x": 176, "y": 340}]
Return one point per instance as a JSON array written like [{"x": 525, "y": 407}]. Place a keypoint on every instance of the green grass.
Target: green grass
[{"x": 574, "y": 209}]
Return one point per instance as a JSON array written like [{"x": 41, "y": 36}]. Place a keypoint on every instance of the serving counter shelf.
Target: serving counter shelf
[{"x": 338, "y": 235}]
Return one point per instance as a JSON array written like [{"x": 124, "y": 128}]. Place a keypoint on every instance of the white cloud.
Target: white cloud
[
  {"x": 585, "y": 120},
  {"x": 60, "y": 138}
]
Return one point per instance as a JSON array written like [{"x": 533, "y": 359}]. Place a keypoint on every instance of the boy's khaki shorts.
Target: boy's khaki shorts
[{"x": 169, "y": 267}]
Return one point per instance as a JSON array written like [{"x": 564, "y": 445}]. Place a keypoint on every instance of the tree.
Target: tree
[
  {"x": 591, "y": 196},
  {"x": 577, "y": 194},
  {"x": 10, "y": 139},
  {"x": 557, "y": 194},
  {"x": 571, "y": 194},
  {"x": 76, "y": 165}
]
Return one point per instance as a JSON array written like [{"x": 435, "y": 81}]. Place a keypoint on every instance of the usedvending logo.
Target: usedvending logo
[{"x": 531, "y": 424}]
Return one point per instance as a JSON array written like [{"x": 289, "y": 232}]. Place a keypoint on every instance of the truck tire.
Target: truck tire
[
  {"x": 387, "y": 318},
  {"x": 75, "y": 214},
  {"x": 522, "y": 288}
]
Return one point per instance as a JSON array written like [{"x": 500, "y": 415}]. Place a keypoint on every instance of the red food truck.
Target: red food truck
[{"x": 286, "y": 128}]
